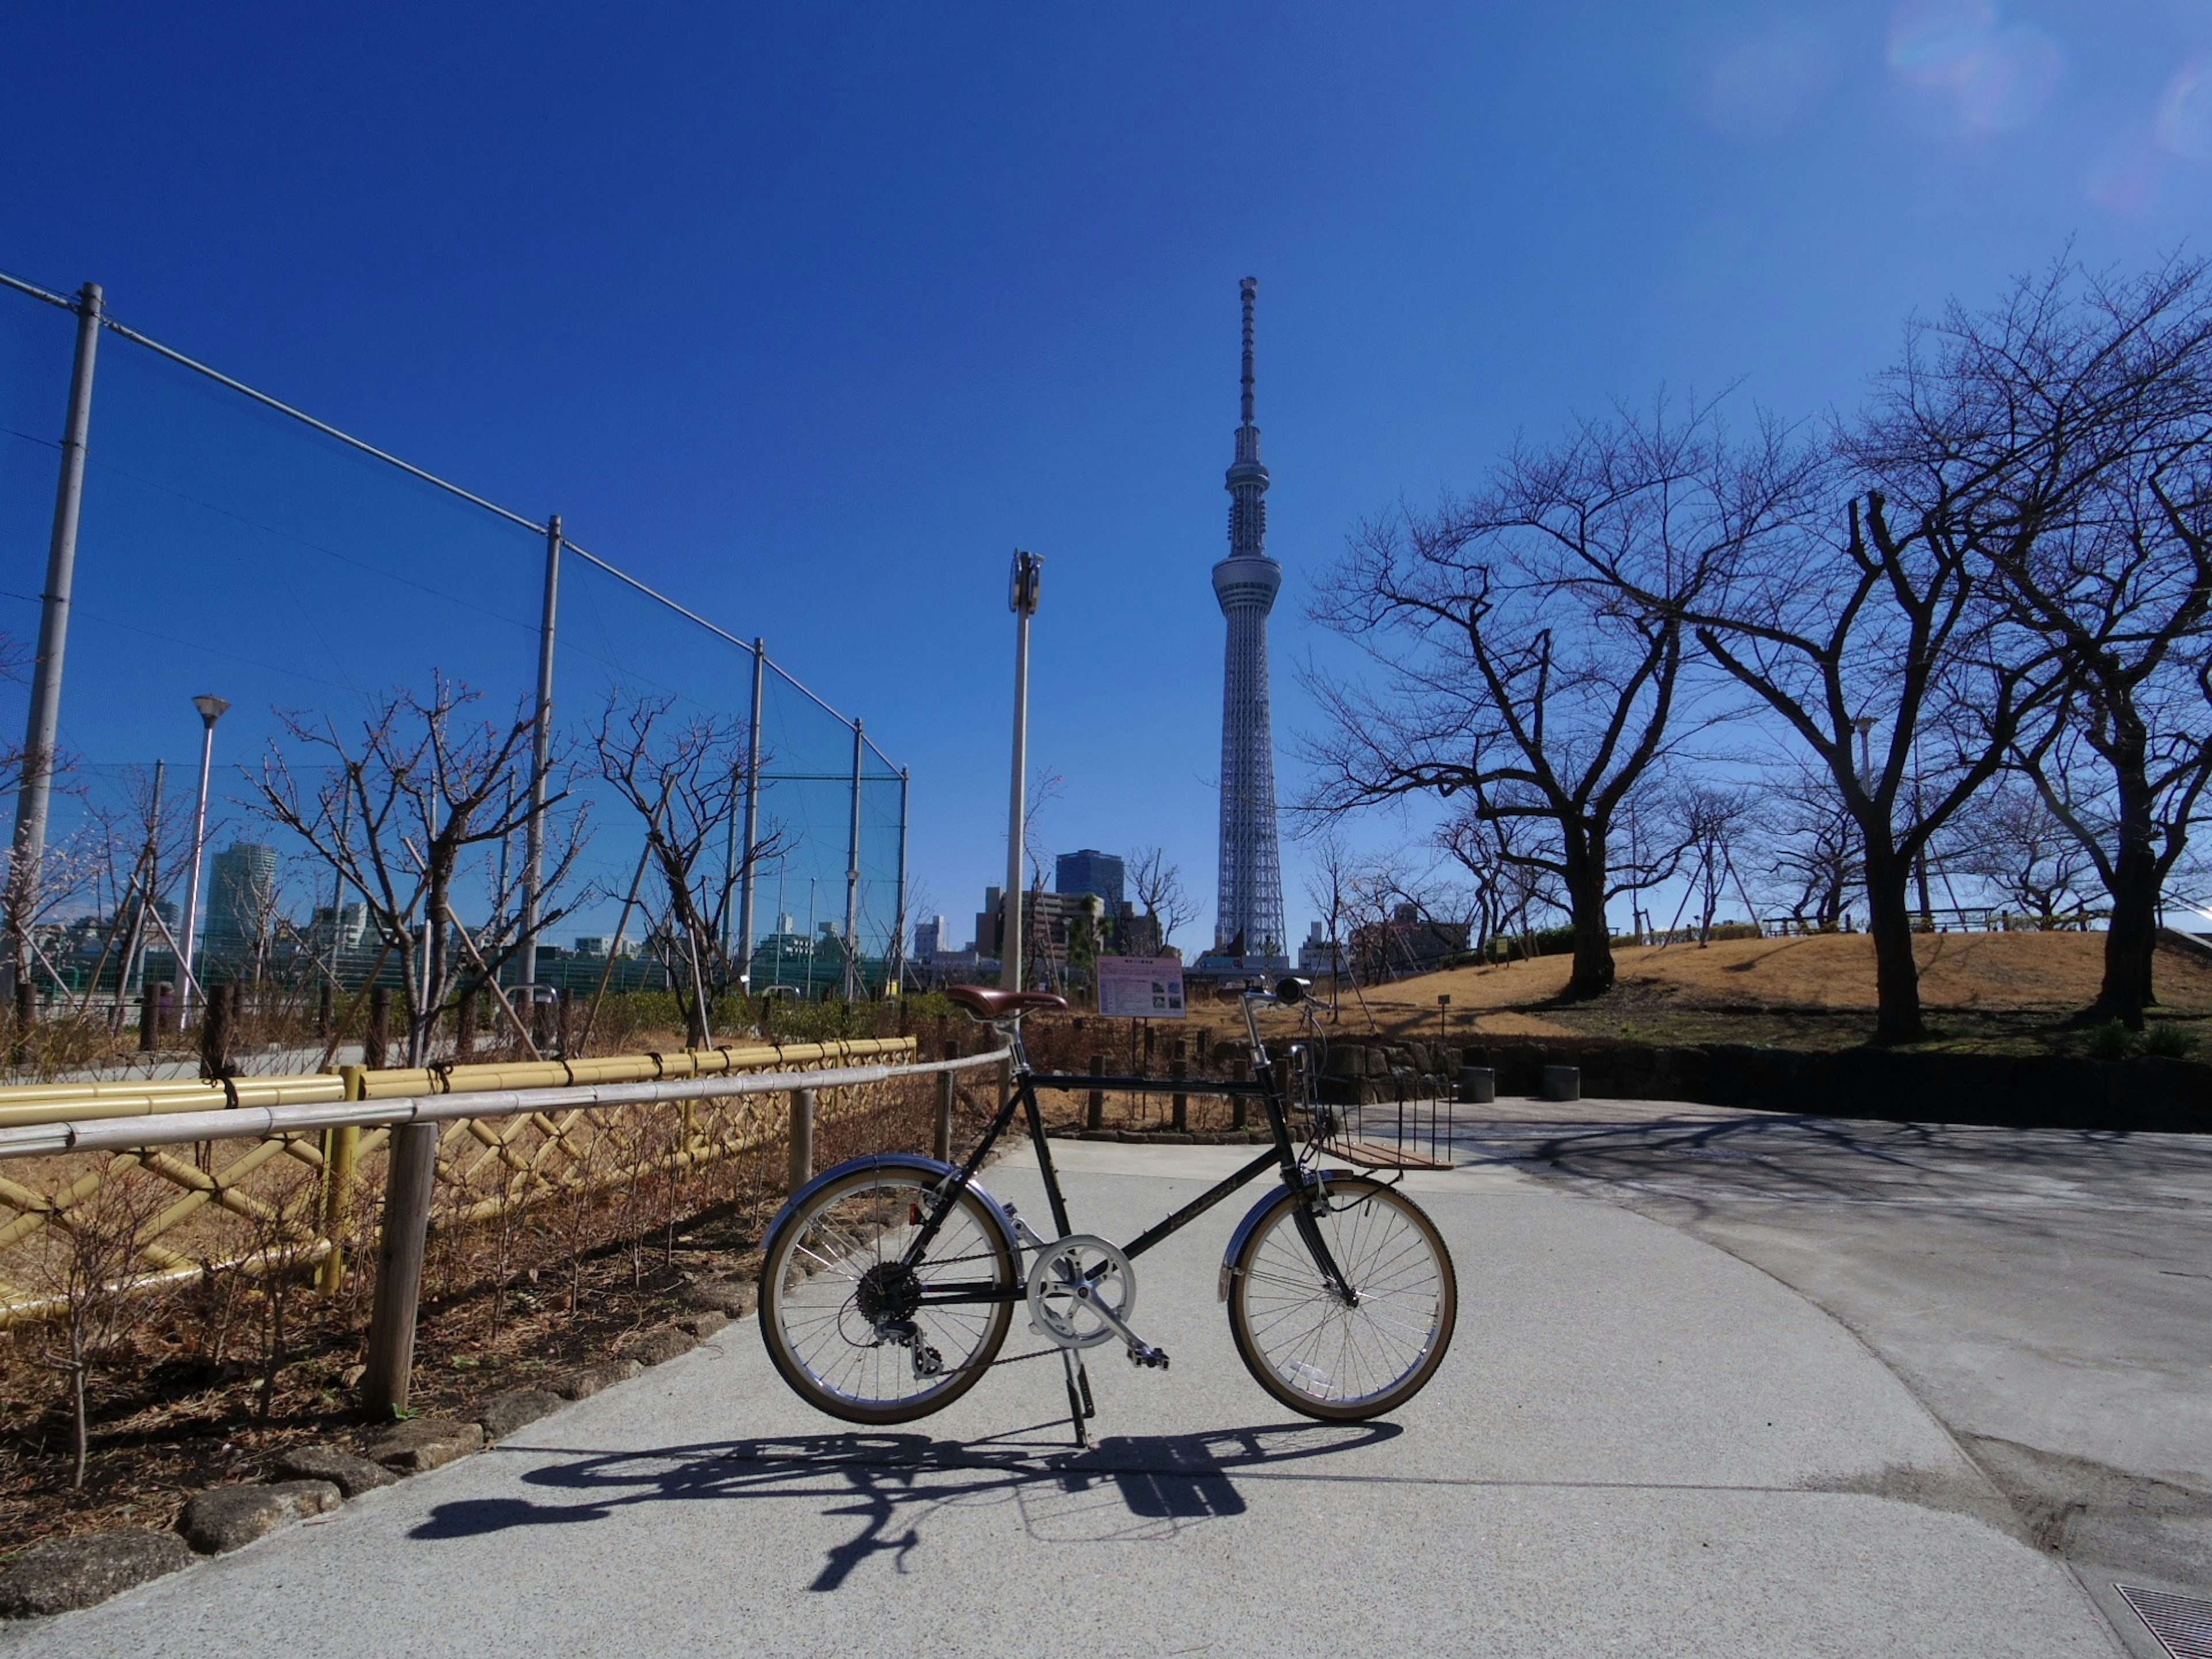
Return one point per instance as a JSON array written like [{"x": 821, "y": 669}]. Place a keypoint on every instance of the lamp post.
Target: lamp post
[
  {"x": 211, "y": 710},
  {"x": 1022, "y": 600}
]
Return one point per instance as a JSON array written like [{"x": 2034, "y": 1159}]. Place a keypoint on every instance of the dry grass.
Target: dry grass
[{"x": 1984, "y": 990}]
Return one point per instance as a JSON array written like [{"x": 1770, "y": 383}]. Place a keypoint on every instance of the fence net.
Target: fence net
[{"x": 227, "y": 548}]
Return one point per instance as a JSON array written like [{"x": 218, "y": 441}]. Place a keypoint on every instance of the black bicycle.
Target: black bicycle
[{"x": 889, "y": 1282}]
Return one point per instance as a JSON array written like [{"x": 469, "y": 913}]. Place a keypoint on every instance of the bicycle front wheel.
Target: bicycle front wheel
[
  {"x": 1303, "y": 1343},
  {"x": 857, "y": 1332}
]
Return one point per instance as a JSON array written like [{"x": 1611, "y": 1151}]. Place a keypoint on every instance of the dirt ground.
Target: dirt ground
[{"x": 1982, "y": 990}]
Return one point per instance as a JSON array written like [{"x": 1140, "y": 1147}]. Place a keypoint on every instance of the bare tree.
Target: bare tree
[
  {"x": 89, "y": 1266},
  {"x": 685, "y": 780},
  {"x": 1713, "y": 820},
  {"x": 1804, "y": 842},
  {"x": 1532, "y": 639},
  {"x": 402, "y": 813},
  {"x": 2007, "y": 839},
  {"x": 1158, "y": 888},
  {"x": 2087, "y": 404}
]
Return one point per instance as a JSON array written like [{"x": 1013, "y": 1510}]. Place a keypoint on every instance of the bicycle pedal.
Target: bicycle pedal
[{"x": 1149, "y": 1358}]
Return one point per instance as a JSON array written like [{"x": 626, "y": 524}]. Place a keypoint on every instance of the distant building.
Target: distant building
[
  {"x": 1409, "y": 943},
  {"x": 929, "y": 940},
  {"x": 1049, "y": 916},
  {"x": 348, "y": 931},
  {"x": 1090, "y": 871},
  {"x": 241, "y": 903},
  {"x": 1319, "y": 954}
]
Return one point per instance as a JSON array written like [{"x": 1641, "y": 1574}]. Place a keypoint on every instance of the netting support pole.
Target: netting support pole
[
  {"x": 905, "y": 922},
  {"x": 744, "y": 958},
  {"x": 41, "y": 730},
  {"x": 853, "y": 876},
  {"x": 541, "y": 760}
]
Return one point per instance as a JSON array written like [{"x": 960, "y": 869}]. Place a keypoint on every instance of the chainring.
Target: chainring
[{"x": 1068, "y": 1281}]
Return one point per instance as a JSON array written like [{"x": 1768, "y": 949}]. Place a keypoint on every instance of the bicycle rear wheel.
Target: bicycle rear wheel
[
  {"x": 1303, "y": 1343},
  {"x": 843, "y": 1316}
]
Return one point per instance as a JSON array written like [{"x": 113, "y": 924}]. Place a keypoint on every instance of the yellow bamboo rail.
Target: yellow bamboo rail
[
  {"x": 553, "y": 1168},
  {"x": 24, "y": 1104}
]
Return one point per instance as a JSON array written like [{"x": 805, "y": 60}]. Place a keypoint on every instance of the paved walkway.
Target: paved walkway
[{"x": 1640, "y": 1445}]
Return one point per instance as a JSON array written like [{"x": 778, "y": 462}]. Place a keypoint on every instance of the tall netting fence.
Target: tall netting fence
[{"x": 332, "y": 597}]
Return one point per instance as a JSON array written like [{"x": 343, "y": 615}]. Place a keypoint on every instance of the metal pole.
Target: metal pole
[
  {"x": 853, "y": 876},
  {"x": 134, "y": 967},
  {"x": 1023, "y": 603},
  {"x": 42, "y": 729},
  {"x": 898, "y": 910},
  {"x": 211, "y": 710},
  {"x": 752, "y": 823},
  {"x": 541, "y": 759}
]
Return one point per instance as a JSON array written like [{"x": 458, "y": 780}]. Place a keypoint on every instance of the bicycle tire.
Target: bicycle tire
[
  {"x": 1301, "y": 1342},
  {"x": 821, "y": 1319}
]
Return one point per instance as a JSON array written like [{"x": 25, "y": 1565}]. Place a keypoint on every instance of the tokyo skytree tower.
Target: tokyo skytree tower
[{"x": 1250, "y": 925}]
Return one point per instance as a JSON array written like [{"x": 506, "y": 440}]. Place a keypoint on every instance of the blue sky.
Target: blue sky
[{"x": 811, "y": 315}]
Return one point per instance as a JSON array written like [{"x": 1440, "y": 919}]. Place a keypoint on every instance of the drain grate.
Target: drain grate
[{"x": 2182, "y": 1623}]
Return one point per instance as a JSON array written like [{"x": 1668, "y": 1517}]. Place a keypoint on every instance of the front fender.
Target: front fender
[
  {"x": 909, "y": 1161},
  {"x": 1307, "y": 1180}
]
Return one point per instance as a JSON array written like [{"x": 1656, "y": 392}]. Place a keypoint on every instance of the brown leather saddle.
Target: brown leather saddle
[{"x": 986, "y": 1004}]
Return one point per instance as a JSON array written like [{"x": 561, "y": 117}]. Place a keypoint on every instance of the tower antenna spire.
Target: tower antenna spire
[{"x": 1250, "y": 289}]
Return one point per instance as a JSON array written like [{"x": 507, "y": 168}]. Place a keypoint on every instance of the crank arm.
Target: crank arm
[{"x": 1141, "y": 1353}]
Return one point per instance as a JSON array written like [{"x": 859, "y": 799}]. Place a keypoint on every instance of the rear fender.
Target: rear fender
[{"x": 938, "y": 1174}]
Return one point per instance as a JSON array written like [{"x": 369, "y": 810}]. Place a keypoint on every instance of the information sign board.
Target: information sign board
[{"x": 1141, "y": 988}]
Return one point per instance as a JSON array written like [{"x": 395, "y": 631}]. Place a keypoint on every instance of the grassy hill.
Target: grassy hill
[{"x": 1999, "y": 992}]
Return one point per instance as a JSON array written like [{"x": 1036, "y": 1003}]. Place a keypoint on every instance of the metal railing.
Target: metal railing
[{"x": 533, "y": 1131}]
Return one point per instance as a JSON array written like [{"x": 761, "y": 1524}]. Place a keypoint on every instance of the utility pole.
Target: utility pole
[
  {"x": 1022, "y": 600},
  {"x": 42, "y": 729}
]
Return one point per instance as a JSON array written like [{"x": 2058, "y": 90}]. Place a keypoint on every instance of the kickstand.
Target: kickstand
[{"x": 1079, "y": 1404}]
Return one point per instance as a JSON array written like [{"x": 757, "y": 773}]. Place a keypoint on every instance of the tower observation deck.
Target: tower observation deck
[{"x": 1249, "y": 930}]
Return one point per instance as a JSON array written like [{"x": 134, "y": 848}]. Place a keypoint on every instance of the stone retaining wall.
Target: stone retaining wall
[{"x": 2146, "y": 1094}]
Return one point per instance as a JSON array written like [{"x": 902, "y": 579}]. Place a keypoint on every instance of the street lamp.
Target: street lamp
[
  {"x": 1022, "y": 600},
  {"x": 212, "y": 708}
]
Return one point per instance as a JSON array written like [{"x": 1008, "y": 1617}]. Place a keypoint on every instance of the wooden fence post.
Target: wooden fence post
[
  {"x": 1095, "y": 1118},
  {"x": 341, "y": 1150},
  {"x": 410, "y": 1179},
  {"x": 376, "y": 1046},
  {"x": 947, "y": 1085},
  {"x": 1178, "y": 1070},
  {"x": 802, "y": 1138},
  {"x": 215, "y": 1029},
  {"x": 150, "y": 1004},
  {"x": 1241, "y": 1070}
]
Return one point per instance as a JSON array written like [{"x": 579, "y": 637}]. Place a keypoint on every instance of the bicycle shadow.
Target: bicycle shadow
[{"x": 1124, "y": 1488}]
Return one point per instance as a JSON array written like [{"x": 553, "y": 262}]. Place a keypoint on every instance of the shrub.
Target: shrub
[
  {"x": 2113, "y": 1042},
  {"x": 2170, "y": 1041}
]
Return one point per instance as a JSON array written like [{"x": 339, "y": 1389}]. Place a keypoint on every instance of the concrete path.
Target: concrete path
[
  {"x": 1639, "y": 1444},
  {"x": 2047, "y": 1293}
]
